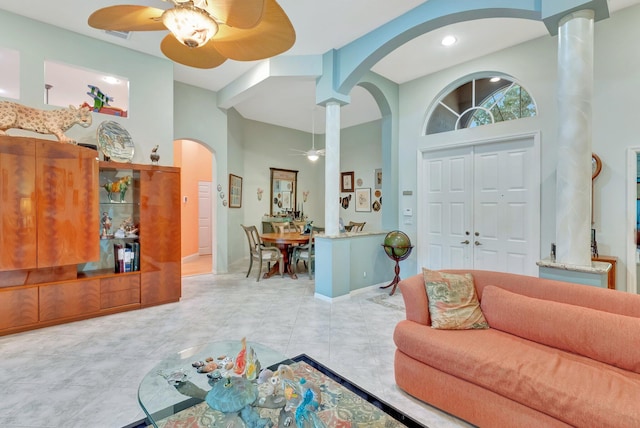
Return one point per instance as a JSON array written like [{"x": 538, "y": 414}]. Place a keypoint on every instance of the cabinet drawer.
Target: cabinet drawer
[
  {"x": 18, "y": 307},
  {"x": 69, "y": 299},
  {"x": 119, "y": 291}
]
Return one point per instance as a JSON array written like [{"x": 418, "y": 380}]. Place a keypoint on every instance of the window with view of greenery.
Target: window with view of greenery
[{"x": 480, "y": 102}]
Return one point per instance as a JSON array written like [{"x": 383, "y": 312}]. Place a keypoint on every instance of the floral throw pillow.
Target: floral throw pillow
[{"x": 453, "y": 303}]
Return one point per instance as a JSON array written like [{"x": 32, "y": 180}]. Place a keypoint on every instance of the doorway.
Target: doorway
[
  {"x": 198, "y": 213},
  {"x": 204, "y": 217},
  {"x": 480, "y": 206}
]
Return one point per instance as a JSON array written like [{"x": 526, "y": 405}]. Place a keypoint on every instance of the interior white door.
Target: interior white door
[
  {"x": 503, "y": 207},
  {"x": 481, "y": 207},
  {"x": 448, "y": 188},
  {"x": 204, "y": 217}
]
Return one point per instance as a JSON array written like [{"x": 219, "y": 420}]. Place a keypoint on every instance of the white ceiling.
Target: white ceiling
[{"x": 320, "y": 26}]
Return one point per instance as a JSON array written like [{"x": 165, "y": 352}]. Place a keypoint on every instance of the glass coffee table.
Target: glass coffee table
[{"x": 168, "y": 403}]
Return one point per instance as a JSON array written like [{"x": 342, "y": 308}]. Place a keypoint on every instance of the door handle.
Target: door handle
[
  {"x": 478, "y": 243},
  {"x": 466, "y": 242}
]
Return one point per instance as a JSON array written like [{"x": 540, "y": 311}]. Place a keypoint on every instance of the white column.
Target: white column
[
  {"x": 573, "y": 173},
  {"x": 332, "y": 170}
]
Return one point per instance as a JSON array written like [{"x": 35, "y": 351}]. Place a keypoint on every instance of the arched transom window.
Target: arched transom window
[{"x": 479, "y": 102}]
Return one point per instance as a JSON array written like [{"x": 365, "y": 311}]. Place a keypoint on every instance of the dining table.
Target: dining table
[{"x": 284, "y": 241}]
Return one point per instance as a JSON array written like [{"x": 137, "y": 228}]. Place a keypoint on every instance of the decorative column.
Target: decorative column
[
  {"x": 332, "y": 169},
  {"x": 573, "y": 173}
]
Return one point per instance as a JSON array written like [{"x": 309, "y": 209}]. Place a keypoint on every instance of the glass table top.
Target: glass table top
[
  {"x": 336, "y": 401},
  {"x": 159, "y": 398}
]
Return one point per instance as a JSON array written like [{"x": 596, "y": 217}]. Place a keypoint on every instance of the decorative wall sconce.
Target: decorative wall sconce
[
  {"x": 305, "y": 194},
  {"x": 259, "y": 193}
]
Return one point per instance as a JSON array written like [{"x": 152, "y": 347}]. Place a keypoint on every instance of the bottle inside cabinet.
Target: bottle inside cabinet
[{"x": 119, "y": 212}]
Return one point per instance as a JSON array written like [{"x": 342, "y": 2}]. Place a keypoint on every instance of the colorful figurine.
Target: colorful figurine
[{"x": 241, "y": 359}]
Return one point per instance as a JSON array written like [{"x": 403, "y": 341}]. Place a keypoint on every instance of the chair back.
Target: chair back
[
  {"x": 356, "y": 227},
  {"x": 253, "y": 237},
  {"x": 312, "y": 236},
  {"x": 282, "y": 227},
  {"x": 299, "y": 225}
]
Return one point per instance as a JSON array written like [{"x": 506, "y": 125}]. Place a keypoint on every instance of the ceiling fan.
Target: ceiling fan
[
  {"x": 205, "y": 33},
  {"x": 313, "y": 154}
]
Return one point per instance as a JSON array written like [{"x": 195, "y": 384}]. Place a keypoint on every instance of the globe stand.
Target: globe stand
[{"x": 389, "y": 251}]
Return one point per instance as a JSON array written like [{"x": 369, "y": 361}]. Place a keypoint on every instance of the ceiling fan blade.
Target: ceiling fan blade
[
  {"x": 236, "y": 13},
  {"x": 203, "y": 57},
  {"x": 299, "y": 152},
  {"x": 321, "y": 152},
  {"x": 273, "y": 35},
  {"x": 127, "y": 18}
]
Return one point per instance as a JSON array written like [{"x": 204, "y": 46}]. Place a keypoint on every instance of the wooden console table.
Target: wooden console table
[{"x": 611, "y": 278}]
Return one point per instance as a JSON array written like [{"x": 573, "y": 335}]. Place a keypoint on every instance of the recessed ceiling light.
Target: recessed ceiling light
[
  {"x": 494, "y": 79},
  {"x": 112, "y": 80},
  {"x": 448, "y": 40}
]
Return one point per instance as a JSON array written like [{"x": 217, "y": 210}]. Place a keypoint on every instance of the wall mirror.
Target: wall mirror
[
  {"x": 66, "y": 85},
  {"x": 284, "y": 189}
]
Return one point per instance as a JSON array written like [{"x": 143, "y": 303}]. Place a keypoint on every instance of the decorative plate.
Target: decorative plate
[
  {"x": 359, "y": 182},
  {"x": 377, "y": 193},
  {"x": 115, "y": 142}
]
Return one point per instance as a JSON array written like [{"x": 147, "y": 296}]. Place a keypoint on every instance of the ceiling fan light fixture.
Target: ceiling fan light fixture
[
  {"x": 192, "y": 26},
  {"x": 312, "y": 155}
]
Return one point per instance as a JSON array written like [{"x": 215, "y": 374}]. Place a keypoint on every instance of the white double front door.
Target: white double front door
[{"x": 480, "y": 207}]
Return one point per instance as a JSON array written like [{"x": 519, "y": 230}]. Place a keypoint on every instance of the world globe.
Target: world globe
[{"x": 397, "y": 244}]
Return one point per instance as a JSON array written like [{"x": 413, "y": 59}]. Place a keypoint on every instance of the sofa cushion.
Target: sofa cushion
[
  {"x": 611, "y": 338},
  {"x": 453, "y": 302},
  {"x": 572, "y": 388}
]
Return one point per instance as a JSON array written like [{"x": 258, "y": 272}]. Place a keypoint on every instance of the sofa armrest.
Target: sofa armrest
[{"x": 415, "y": 299}]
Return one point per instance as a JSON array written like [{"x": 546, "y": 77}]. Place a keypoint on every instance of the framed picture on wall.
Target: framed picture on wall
[
  {"x": 363, "y": 200},
  {"x": 377, "y": 178},
  {"x": 235, "y": 191},
  {"x": 346, "y": 181}
]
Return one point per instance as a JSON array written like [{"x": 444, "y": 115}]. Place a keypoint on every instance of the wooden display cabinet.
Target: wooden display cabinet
[
  {"x": 48, "y": 193},
  {"x": 56, "y": 264}
]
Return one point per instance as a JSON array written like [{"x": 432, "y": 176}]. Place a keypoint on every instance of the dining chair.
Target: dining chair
[
  {"x": 299, "y": 225},
  {"x": 355, "y": 227},
  {"x": 306, "y": 253},
  {"x": 282, "y": 227},
  {"x": 261, "y": 253}
]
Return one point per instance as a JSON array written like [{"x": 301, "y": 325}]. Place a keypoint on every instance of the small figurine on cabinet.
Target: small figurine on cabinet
[
  {"x": 119, "y": 186},
  {"x": 129, "y": 228},
  {"x": 106, "y": 225},
  {"x": 155, "y": 157}
]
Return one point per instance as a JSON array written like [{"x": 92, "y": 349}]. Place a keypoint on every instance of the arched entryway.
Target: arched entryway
[{"x": 198, "y": 208}]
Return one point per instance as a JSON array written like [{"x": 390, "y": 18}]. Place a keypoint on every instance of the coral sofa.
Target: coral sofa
[{"x": 556, "y": 354}]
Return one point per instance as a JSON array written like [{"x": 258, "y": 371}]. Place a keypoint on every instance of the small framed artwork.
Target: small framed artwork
[
  {"x": 363, "y": 200},
  {"x": 346, "y": 181},
  {"x": 377, "y": 178},
  {"x": 235, "y": 191},
  {"x": 286, "y": 200}
]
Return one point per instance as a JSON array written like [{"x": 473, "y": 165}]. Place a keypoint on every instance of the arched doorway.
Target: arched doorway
[{"x": 196, "y": 162}]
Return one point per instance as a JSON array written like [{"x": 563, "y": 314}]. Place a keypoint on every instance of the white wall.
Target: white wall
[
  {"x": 361, "y": 152},
  {"x": 533, "y": 64},
  {"x": 268, "y": 146},
  {"x": 150, "y": 119}
]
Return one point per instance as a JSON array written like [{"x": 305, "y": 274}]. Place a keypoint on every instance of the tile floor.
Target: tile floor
[{"x": 86, "y": 374}]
